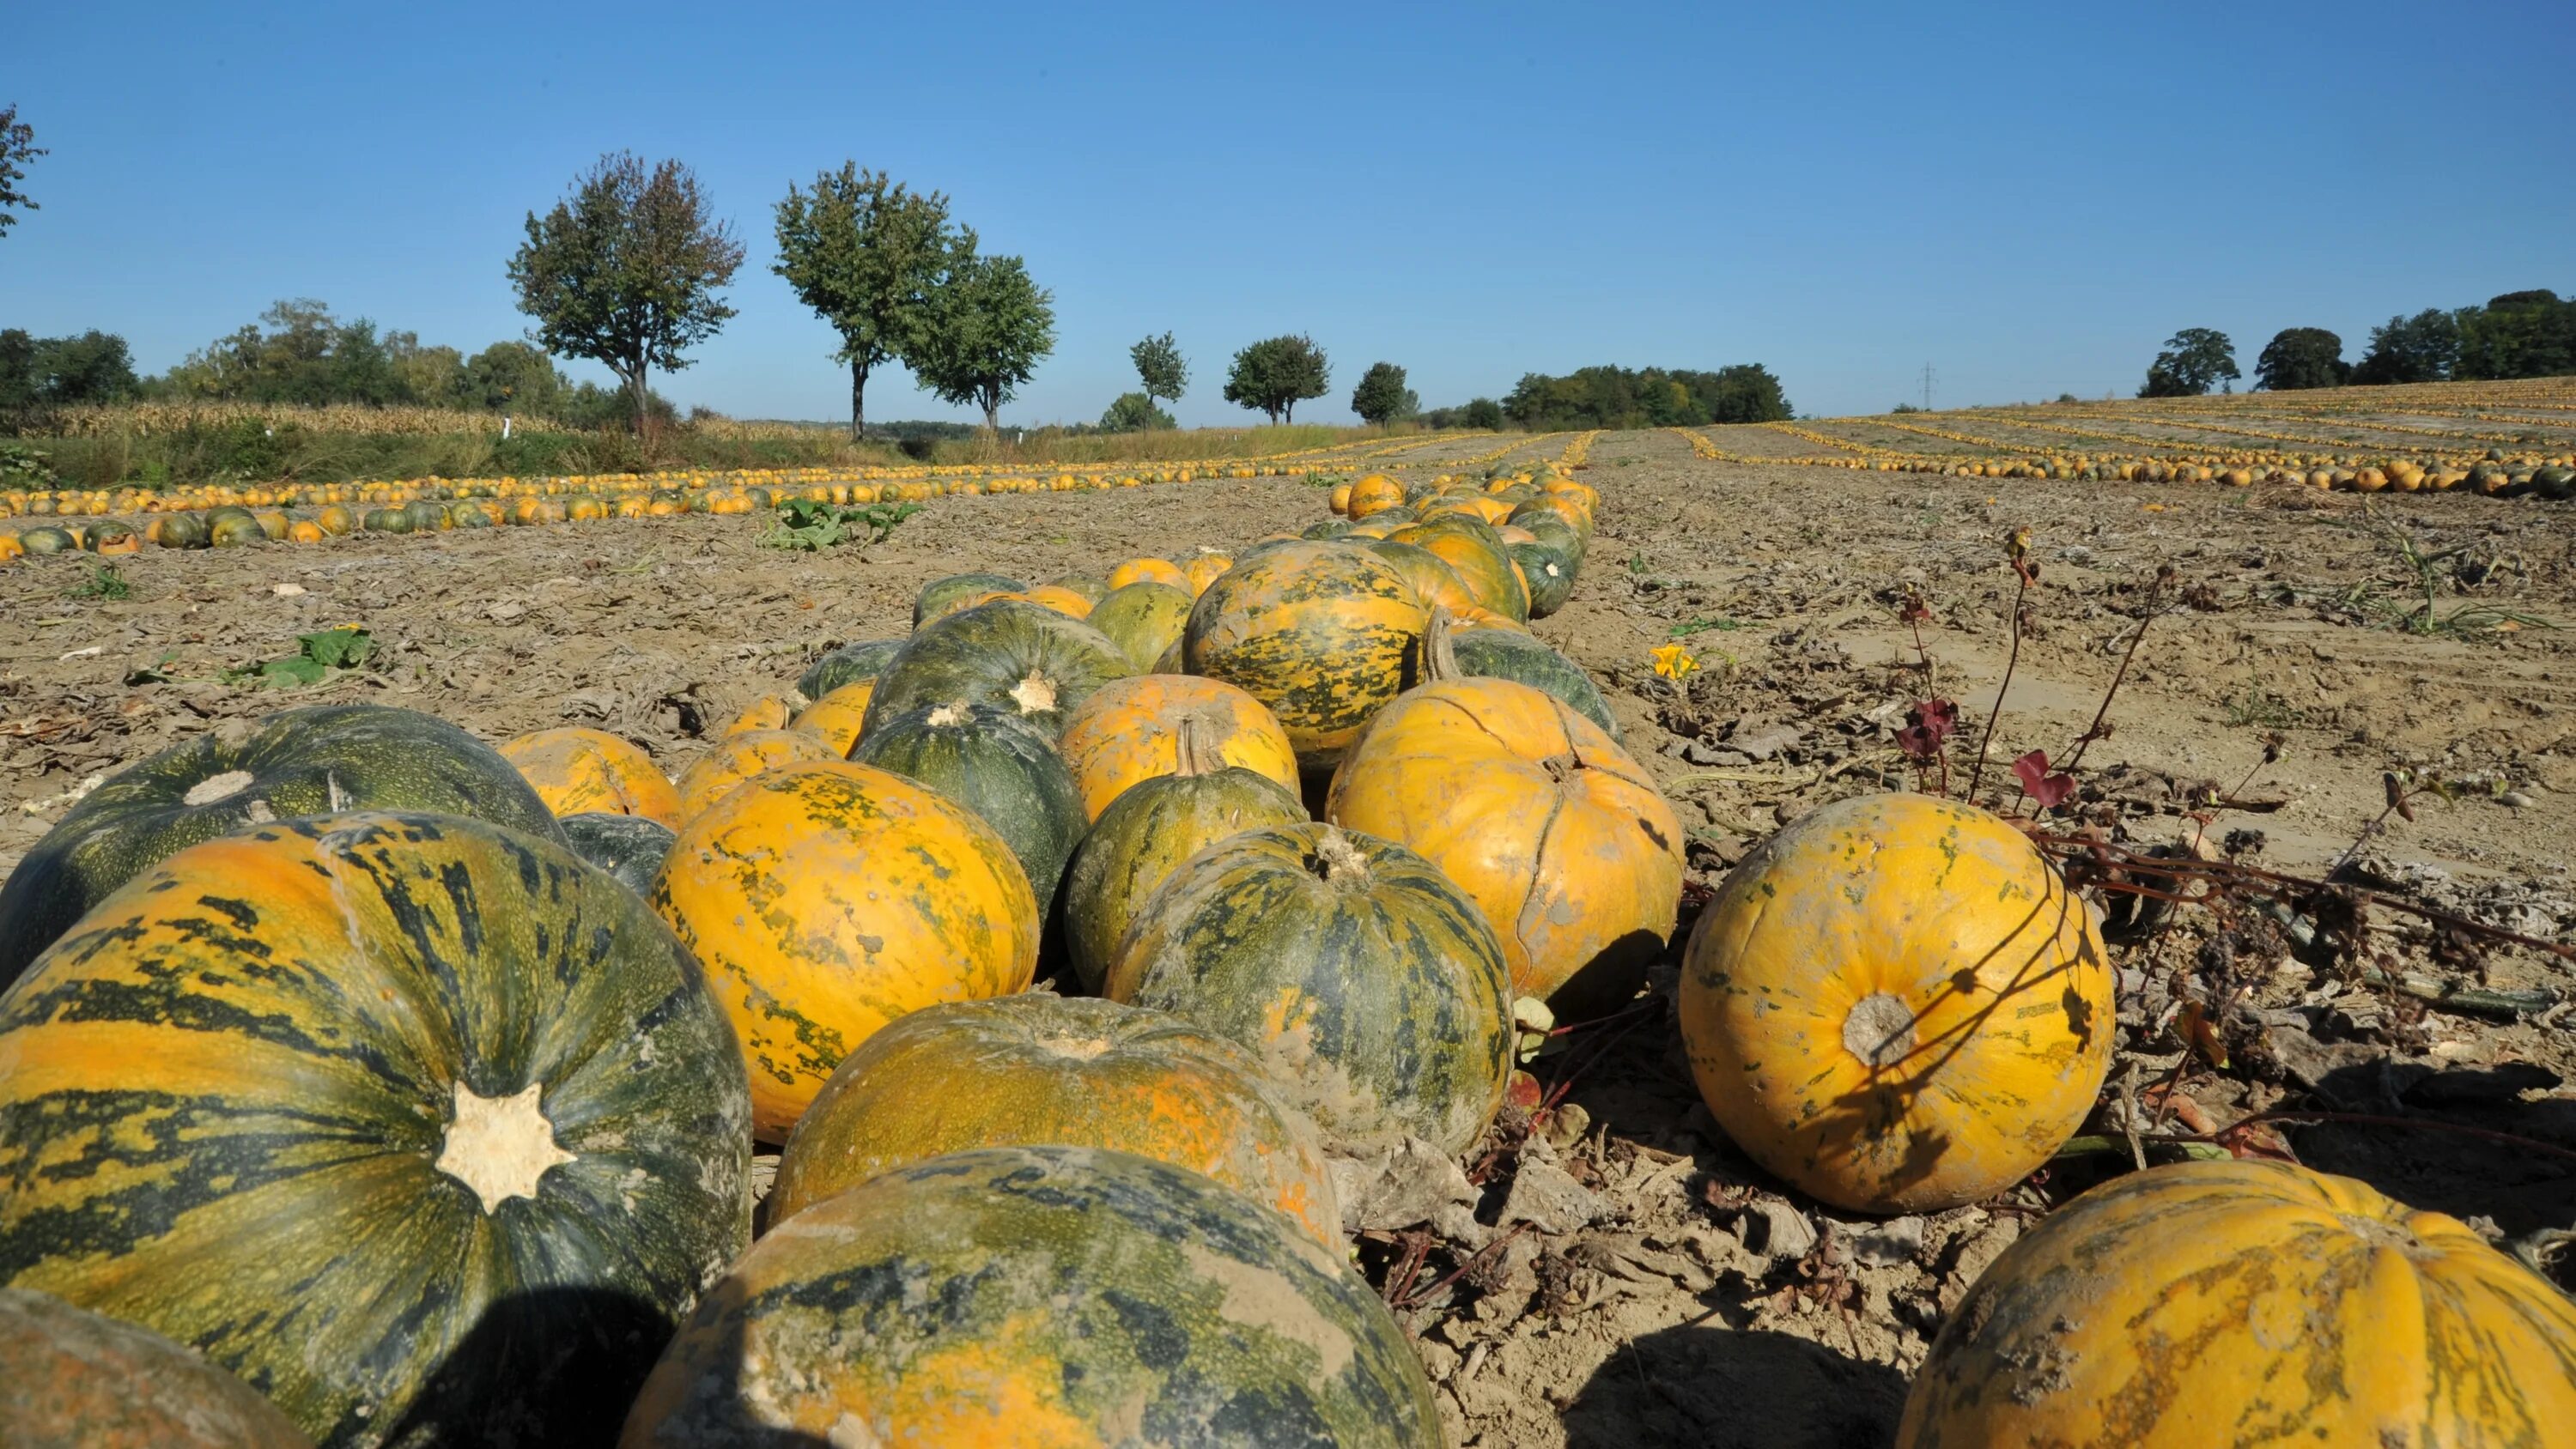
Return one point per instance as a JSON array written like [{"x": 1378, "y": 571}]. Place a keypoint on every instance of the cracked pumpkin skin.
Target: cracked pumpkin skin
[
  {"x": 2227, "y": 1305},
  {"x": 1896, "y": 1005},
  {"x": 829, "y": 898}
]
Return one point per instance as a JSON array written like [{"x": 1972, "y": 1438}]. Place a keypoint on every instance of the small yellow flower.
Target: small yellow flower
[{"x": 1672, "y": 661}]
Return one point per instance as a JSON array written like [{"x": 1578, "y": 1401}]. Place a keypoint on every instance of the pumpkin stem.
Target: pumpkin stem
[
  {"x": 1034, "y": 695},
  {"x": 1879, "y": 1030},
  {"x": 217, "y": 787},
  {"x": 1342, "y": 863},
  {"x": 1439, "y": 655},
  {"x": 1196, "y": 754},
  {"x": 953, "y": 712}
]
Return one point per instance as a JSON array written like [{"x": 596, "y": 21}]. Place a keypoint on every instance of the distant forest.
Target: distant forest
[{"x": 1652, "y": 397}]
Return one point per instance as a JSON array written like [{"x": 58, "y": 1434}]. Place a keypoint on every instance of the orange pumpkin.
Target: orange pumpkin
[
  {"x": 1064, "y": 601},
  {"x": 1320, "y": 632},
  {"x": 835, "y": 718},
  {"x": 1480, "y": 560},
  {"x": 1375, "y": 493},
  {"x": 738, "y": 758},
  {"x": 1039, "y": 1069},
  {"x": 1205, "y": 569},
  {"x": 768, "y": 712},
  {"x": 1429, "y": 576},
  {"x": 580, "y": 771},
  {"x": 1148, "y": 571},
  {"x": 2236, "y": 1303},
  {"x": 1553, "y": 830},
  {"x": 1340, "y": 498},
  {"x": 1129, "y": 730},
  {"x": 1897, "y": 1005},
  {"x": 829, "y": 898}
]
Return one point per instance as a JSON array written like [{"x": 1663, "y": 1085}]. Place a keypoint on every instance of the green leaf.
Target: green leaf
[{"x": 336, "y": 649}]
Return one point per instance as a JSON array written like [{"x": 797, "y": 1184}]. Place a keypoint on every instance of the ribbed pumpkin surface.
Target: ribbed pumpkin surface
[
  {"x": 426, "y": 1129},
  {"x": 945, "y": 596},
  {"x": 1038, "y": 1069},
  {"x": 997, "y": 766},
  {"x": 628, "y": 847},
  {"x": 1039, "y": 1298},
  {"x": 1143, "y": 837},
  {"x": 1016, "y": 656},
  {"x": 1896, "y": 1004},
  {"x": 837, "y": 717},
  {"x": 1130, "y": 731},
  {"x": 1319, "y": 632},
  {"x": 1428, "y": 574},
  {"x": 579, "y": 771},
  {"x": 1371, "y": 987},
  {"x": 1143, "y": 619},
  {"x": 827, "y": 899},
  {"x": 2223, "y": 1305},
  {"x": 849, "y": 664},
  {"x": 1520, "y": 657},
  {"x": 736, "y": 758},
  {"x": 75, "y": 1380},
  {"x": 1559, "y": 837},
  {"x": 1477, "y": 555},
  {"x": 299, "y": 762}
]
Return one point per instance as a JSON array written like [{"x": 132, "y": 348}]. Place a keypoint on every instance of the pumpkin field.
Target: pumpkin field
[{"x": 2036, "y": 925}]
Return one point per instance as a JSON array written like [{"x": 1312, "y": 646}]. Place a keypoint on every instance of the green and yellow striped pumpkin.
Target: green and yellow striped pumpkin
[{"x": 1322, "y": 633}]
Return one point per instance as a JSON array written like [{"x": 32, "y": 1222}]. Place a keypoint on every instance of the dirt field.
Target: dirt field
[{"x": 1666, "y": 1293}]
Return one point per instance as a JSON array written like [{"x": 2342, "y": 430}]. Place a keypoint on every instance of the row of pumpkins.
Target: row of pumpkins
[{"x": 413, "y": 1085}]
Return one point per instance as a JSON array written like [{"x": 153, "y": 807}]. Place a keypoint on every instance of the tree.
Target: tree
[
  {"x": 625, "y": 271},
  {"x": 1483, "y": 414},
  {"x": 2194, "y": 360},
  {"x": 1134, "y": 412},
  {"x": 2520, "y": 334},
  {"x": 2421, "y": 348},
  {"x": 863, "y": 252},
  {"x": 1160, "y": 365},
  {"x": 988, "y": 327},
  {"x": 1616, "y": 397},
  {"x": 1276, "y": 373},
  {"x": 513, "y": 377},
  {"x": 17, "y": 148},
  {"x": 1382, "y": 396},
  {"x": 2301, "y": 357}
]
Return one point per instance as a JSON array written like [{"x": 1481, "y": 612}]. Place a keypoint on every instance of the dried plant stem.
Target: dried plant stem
[{"x": 2012, "y": 661}]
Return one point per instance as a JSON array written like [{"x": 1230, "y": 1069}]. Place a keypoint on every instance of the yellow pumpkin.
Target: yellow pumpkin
[
  {"x": 1375, "y": 493},
  {"x": 768, "y": 712},
  {"x": 1322, "y": 633},
  {"x": 1205, "y": 569},
  {"x": 1340, "y": 498},
  {"x": 828, "y": 898},
  {"x": 835, "y": 718},
  {"x": 580, "y": 771},
  {"x": 737, "y": 758},
  {"x": 1897, "y": 1005},
  {"x": 1061, "y": 599},
  {"x": 1129, "y": 730},
  {"x": 2240, "y": 1303},
  {"x": 1148, "y": 571}
]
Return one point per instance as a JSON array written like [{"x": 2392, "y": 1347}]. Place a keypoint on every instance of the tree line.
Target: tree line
[
  {"x": 1652, "y": 397},
  {"x": 2519, "y": 334}
]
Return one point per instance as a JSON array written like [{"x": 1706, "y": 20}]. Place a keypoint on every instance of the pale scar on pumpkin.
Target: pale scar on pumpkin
[{"x": 500, "y": 1146}]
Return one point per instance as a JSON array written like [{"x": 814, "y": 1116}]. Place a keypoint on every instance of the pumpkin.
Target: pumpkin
[
  {"x": 1143, "y": 620},
  {"x": 1559, "y": 837},
  {"x": 848, "y": 664},
  {"x": 1131, "y": 731},
  {"x": 385, "y": 520},
  {"x": 2235, "y": 1303},
  {"x": 112, "y": 539},
  {"x": 1339, "y": 499},
  {"x": 1040, "y": 1069},
  {"x": 829, "y": 898},
  {"x": 997, "y": 766},
  {"x": 1479, "y": 559},
  {"x": 1429, "y": 576},
  {"x": 1487, "y": 652},
  {"x": 628, "y": 847},
  {"x": 1369, "y": 984},
  {"x": 1545, "y": 572},
  {"x": 737, "y": 758},
  {"x": 336, "y": 520},
  {"x": 1145, "y": 834},
  {"x": 75, "y": 1380},
  {"x": 424, "y": 1127},
  {"x": 311, "y": 761},
  {"x": 837, "y": 717},
  {"x": 1018, "y": 657},
  {"x": 577, "y": 771},
  {"x": 1063, "y": 600},
  {"x": 769, "y": 711},
  {"x": 1375, "y": 493},
  {"x": 1897, "y": 1005},
  {"x": 1091, "y": 590},
  {"x": 182, "y": 530},
  {"x": 234, "y": 530},
  {"x": 304, "y": 530},
  {"x": 1205, "y": 569},
  {"x": 1329, "y": 528},
  {"x": 1039, "y": 1295},
  {"x": 945, "y": 596},
  {"x": 46, "y": 539},
  {"x": 1318, "y": 632}
]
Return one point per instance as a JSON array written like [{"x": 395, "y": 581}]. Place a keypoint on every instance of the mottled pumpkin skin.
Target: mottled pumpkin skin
[
  {"x": 945, "y": 596},
  {"x": 736, "y": 758},
  {"x": 1016, "y": 656},
  {"x": 848, "y": 664},
  {"x": 629, "y": 847},
  {"x": 298, "y": 762},
  {"x": 1559, "y": 837},
  {"x": 76, "y": 1380},
  {"x": 1517, "y": 655},
  {"x": 1129, "y": 732},
  {"x": 582, "y": 771},
  {"x": 1477, "y": 556},
  {"x": 767, "y": 712},
  {"x": 1547, "y": 572},
  {"x": 1149, "y": 571},
  {"x": 1428, "y": 574},
  {"x": 1039, "y": 1298},
  {"x": 1375, "y": 493},
  {"x": 1205, "y": 569},
  {"x": 1931, "y": 937},
  {"x": 837, "y": 717},
  {"x": 1370, "y": 986},
  {"x": 1143, "y": 620},
  {"x": 829, "y": 898},
  {"x": 424, "y": 1128},
  {"x": 2225, "y": 1305},
  {"x": 1321, "y": 633},
  {"x": 1038, "y": 1069},
  {"x": 1143, "y": 837},
  {"x": 997, "y": 766}
]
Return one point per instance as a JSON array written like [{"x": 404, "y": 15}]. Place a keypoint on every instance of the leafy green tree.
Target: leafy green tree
[
  {"x": 1134, "y": 412},
  {"x": 430, "y": 376},
  {"x": 1276, "y": 373},
  {"x": 1382, "y": 396},
  {"x": 1159, "y": 364},
  {"x": 1616, "y": 397},
  {"x": 2301, "y": 357},
  {"x": 864, "y": 252},
  {"x": 513, "y": 377},
  {"x": 2195, "y": 360},
  {"x": 2520, "y": 334},
  {"x": 45, "y": 372},
  {"x": 2421, "y": 348},
  {"x": 988, "y": 329},
  {"x": 1483, "y": 414},
  {"x": 17, "y": 148},
  {"x": 625, "y": 271}
]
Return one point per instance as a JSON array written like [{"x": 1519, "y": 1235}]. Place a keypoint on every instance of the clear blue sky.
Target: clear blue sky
[{"x": 2031, "y": 198}]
